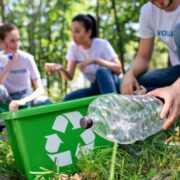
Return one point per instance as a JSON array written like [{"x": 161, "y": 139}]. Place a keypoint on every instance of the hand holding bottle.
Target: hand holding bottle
[
  {"x": 123, "y": 118},
  {"x": 129, "y": 84},
  {"x": 171, "y": 96}
]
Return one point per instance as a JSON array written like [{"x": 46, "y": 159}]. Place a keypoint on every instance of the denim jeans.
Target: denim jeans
[
  {"x": 159, "y": 77},
  {"x": 163, "y": 77},
  {"x": 106, "y": 82},
  {"x": 6, "y": 97}
]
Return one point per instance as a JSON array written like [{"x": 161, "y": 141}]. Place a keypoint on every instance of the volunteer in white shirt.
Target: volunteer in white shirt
[
  {"x": 158, "y": 18},
  {"x": 94, "y": 56},
  {"x": 17, "y": 74}
]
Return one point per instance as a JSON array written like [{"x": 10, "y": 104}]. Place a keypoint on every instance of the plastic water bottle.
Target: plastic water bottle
[
  {"x": 4, "y": 58},
  {"x": 123, "y": 118}
]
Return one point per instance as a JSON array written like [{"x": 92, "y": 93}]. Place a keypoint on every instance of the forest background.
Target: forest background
[{"x": 45, "y": 33}]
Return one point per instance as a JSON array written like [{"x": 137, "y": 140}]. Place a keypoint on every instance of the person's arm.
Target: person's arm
[
  {"x": 143, "y": 57},
  {"x": 66, "y": 74},
  {"x": 171, "y": 108},
  {"x": 39, "y": 90},
  {"x": 139, "y": 66},
  {"x": 114, "y": 65},
  {"x": 9, "y": 65},
  {"x": 6, "y": 71}
]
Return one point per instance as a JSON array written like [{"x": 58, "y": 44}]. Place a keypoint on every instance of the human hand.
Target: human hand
[
  {"x": 142, "y": 91},
  {"x": 83, "y": 64},
  {"x": 14, "y": 104},
  {"x": 129, "y": 85},
  {"x": 52, "y": 67},
  {"x": 171, "y": 108}
]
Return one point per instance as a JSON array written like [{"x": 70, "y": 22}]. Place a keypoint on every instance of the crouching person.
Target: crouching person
[{"x": 17, "y": 74}]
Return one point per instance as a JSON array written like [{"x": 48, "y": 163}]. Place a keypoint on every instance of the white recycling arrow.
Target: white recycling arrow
[
  {"x": 84, "y": 149},
  {"x": 53, "y": 143},
  {"x": 62, "y": 159},
  {"x": 88, "y": 136},
  {"x": 74, "y": 118},
  {"x": 60, "y": 124}
]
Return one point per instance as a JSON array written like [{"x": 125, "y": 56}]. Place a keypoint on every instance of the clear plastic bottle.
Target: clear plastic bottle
[
  {"x": 123, "y": 118},
  {"x": 4, "y": 58}
]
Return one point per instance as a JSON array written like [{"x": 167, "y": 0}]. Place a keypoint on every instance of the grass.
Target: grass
[
  {"x": 8, "y": 170},
  {"x": 142, "y": 160},
  {"x": 149, "y": 159}
]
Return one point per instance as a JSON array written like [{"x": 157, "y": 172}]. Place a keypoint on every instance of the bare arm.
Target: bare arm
[
  {"x": 114, "y": 65},
  {"x": 66, "y": 74},
  {"x": 143, "y": 57},
  {"x": 9, "y": 65},
  {"x": 139, "y": 65},
  {"x": 39, "y": 90}
]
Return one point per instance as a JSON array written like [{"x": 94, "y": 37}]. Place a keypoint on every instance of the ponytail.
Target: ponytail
[
  {"x": 89, "y": 23},
  {"x": 94, "y": 26}
]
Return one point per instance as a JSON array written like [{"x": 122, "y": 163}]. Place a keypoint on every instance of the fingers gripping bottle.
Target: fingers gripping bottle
[
  {"x": 4, "y": 58},
  {"x": 123, "y": 118}
]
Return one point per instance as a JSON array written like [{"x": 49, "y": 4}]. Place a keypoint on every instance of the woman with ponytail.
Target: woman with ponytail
[{"x": 94, "y": 56}]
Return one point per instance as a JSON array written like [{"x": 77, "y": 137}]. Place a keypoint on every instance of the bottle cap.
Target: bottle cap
[
  {"x": 10, "y": 56},
  {"x": 86, "y": 123}
]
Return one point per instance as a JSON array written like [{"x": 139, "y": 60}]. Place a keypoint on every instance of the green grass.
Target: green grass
[
  {"x": 8, "y": 169},
  {"x": 149, "y": 159},
  {"x": 142, "y": 160}
]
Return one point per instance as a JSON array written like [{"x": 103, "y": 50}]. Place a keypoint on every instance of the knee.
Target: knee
[
  {"x": 101, "y": 72},
  {"x": 42, "y": 100},
  {"x": 67, "y": 97}
]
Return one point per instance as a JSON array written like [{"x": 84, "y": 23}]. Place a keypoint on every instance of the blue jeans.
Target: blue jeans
[
  {"x": 162, "y": 77},
  {"x": 106, "y": 82},
  {"x": 159, "y": 77},
  {"x": 6, "y": 97}
]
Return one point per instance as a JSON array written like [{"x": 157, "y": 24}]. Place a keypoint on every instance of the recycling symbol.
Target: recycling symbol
[{"x": 54, "y": 141}]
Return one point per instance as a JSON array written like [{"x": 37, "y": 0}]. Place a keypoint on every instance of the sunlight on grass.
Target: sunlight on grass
[{"x": 149, "y": 159}]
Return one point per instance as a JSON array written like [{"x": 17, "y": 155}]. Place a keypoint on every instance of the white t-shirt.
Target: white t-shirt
[
  {"x": 22, "y": 72},
  {"x": 100, "y": 49},
  {"x": 157, "y": 22}
]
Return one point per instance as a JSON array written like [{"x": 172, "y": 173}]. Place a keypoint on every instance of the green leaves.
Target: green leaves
[{"x": 45, "y": 29}]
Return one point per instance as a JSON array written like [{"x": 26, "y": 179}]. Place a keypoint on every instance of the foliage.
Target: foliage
[
  {"x": 45, "y": 31},
  {"x": 8, "y": 169}
]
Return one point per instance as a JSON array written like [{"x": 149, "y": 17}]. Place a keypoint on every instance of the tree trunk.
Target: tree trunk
[
  {"x": 121, "y": 47},
  {"x": 98, "y": 16},
  {"x": 2, "y": 10},
  {"x": 40, "y": 62}
]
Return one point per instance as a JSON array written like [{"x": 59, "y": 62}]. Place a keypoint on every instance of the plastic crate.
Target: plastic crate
[{"x": 50, "y": 136}]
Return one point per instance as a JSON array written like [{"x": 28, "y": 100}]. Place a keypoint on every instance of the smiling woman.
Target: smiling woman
[{"x": 16, "y": 75}]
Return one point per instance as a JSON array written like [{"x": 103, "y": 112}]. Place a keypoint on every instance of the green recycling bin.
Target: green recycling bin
[{"x": 50, "y": 136}]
